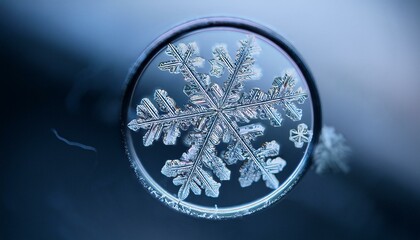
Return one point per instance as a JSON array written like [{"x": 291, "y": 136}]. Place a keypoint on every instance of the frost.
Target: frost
[
  {"x": 331, "y": 152},
  {"x": 216, "y": 114}
]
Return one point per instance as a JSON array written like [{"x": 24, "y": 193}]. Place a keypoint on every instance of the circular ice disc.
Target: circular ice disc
[{"x": 219, "y": 118}]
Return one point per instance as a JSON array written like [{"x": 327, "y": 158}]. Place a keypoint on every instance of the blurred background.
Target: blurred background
[{"x": 63, "y": 66}]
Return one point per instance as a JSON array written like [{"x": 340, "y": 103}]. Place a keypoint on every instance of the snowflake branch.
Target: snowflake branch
[
  {"x": 200, "y": 152},
  {"x": 169, "y": 123},
  {"x": 268, "y": 176},
  {"x": 268, "y": 101},
  {"x": 238, "y": 66},
  {"x": 139, "y": 123},
  {"x": 189, "y": 172},
  {"x": 191, "y": 72},
  {"x": 241, "y": 70},
  {"x": 224, "y": 58}
]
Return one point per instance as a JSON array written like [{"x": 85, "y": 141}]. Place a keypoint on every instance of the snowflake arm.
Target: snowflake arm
[
  {"x": 256, "y": 156},
  {"x": 220, "y": 60},
  {"x": 240, "y": 70},
  {"x": 184, "y": 61},
  {"x": 169, "y": 124},
  {"x": 283, "y": 90},
  {"x": 202, "y": 154},
  {"x": 235, "y": 150},
  {"x": 250, "y": 173},
  {"x": 190, "y": 176},
  {"x": 260, "y": 105}
]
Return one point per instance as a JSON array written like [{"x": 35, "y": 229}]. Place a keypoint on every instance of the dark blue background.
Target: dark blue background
[{"x": 63, "y": 64}]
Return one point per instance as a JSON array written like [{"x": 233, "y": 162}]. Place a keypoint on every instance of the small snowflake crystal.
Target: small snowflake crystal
[
  {"x": 300, "y": 135},
  {"x": 220, "y": 114}
]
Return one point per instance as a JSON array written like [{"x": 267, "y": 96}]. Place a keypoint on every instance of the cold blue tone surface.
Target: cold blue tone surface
[{"x": 63, "y": 64}]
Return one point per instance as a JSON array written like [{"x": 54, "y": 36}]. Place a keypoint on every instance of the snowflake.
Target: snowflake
[
  {"x": 300, "y": 135},
  {"x": 331, "y": 153},
  {"x": 214, "y": 114}
]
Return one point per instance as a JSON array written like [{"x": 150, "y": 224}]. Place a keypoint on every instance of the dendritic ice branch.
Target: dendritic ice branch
[{"x": 216, "y": 114}]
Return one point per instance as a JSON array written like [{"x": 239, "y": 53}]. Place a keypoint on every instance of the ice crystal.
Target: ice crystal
[
  {"x": 300, "y": 135},
  {"x": 331, "y": 152},
  {"x": 216, "y": 114}
]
